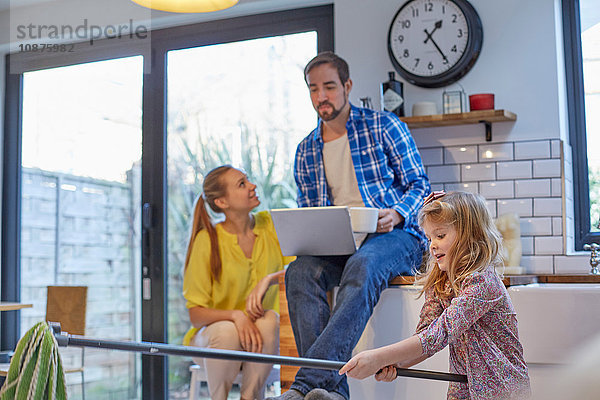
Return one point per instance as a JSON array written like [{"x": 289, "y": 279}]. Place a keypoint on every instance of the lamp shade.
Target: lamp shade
[{"x": 186, "y": 6}]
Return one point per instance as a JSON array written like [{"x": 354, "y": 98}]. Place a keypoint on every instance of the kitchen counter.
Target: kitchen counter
[{"x": 288, "y": 345}]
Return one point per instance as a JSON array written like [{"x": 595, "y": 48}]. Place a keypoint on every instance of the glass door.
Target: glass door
[
  {"x": 243, "y": 103},
  {"x": 80, "y": 208}
]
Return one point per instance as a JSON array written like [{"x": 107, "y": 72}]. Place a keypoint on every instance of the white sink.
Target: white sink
[{"x": 555, "y": 318}]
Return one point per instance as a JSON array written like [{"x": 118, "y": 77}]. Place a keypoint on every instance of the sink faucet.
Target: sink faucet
[{"x": 594, "y": 260}]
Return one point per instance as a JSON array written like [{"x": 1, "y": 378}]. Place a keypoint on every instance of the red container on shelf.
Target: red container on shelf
[{"x": 481, "y": 101}]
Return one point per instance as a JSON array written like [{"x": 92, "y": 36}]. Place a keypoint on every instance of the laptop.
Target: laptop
[{"x": 314, "y": 231}]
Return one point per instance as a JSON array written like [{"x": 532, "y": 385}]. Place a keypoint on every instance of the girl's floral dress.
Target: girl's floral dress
[{"x": 480, "y": 326}]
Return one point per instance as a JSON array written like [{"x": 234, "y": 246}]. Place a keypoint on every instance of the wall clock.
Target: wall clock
[{"x": 433, "y": 43}]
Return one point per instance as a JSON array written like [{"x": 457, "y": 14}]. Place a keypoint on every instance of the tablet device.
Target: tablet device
[{"x": 314, "y": 231}]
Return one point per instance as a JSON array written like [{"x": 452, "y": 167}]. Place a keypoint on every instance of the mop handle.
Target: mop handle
[{"x": 161, "y": 349}]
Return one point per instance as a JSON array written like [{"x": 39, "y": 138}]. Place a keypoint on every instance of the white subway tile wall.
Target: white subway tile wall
[
  {"x": 533, "y": 188},
  {"x": 551, "y": 206},
  {"x": 572, "y": 264},
  {"x": 546, "y": 168},
  {"x": 526, "y": 178},
  {"x": 545, "y": 245},
  {"x": 556, "y": 187},
  {"x": 496, "y": 152},
  {"x": 433, "y": 156},
  {"x": 514, "y": 170},
  {"x": 521, "y": 207},
  {"x": 557, "y": 226},
  {"x": 567, "y": 154},
  {"x": 478, "y": 172},
  {"x": 460, "y": 154},
  {"x": 569, "y": 233},
  {"x": 472, "y": 187},
  {"x": 538, "y": 264},
  {"x": 527, "y": 245},
  {"x": 536, "y": 226},
  {"x": 497, "y": 189},
  {"x": 532, "y": 150},
  {"x": 443, "y": 174},
  {"x": 568, "y": 191},
  {"x": 491, "y": 205},
  {"x": 555, "y": 148}
]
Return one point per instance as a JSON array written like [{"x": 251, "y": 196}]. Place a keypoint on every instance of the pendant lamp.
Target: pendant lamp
[{"x": 187, "y": 6}]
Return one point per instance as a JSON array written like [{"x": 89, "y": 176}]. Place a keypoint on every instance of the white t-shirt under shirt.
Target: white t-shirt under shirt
[
  {"x": 341, "y": 177},
  {"x": 339, "y": 171}
]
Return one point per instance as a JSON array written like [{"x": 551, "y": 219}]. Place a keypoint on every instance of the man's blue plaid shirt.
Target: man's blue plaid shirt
[{"x": 388, "y": 166}]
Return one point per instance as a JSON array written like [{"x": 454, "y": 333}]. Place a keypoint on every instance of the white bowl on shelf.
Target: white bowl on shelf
[{"x": 424, "y": 108}]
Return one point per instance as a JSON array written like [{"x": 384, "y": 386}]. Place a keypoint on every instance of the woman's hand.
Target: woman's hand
[
  {"x": 363, "y": 364},
  {"x": 254, "y": 306},
  {"x": 250, "y": 337},
  {"x": 386, "y": 374}
]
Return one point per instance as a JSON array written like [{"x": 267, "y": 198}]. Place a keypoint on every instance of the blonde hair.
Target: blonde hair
[
  {"x": 212, "y": 188},
  {"x": 477, "y": 244}
]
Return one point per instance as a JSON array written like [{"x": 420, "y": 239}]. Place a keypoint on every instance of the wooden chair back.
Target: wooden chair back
[{"x": 67, "y": 305}]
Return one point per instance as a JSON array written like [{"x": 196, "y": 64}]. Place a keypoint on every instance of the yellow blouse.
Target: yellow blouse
[{"x": 239, "y": 274}]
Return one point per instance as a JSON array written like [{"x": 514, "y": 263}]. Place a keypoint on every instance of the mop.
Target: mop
[
  {"x": 161, "y": 349},
  {"x": 35, "y": 370}
]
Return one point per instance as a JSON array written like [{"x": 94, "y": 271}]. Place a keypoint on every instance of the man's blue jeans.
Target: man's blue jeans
[{"x": 361, "y": 278}]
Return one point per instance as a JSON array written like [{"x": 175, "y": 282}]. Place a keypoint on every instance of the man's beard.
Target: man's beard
[{"x": 334, "y": 113}]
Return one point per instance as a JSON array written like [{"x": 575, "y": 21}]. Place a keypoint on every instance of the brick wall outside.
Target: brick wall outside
[{"x": 81, "y": 231}]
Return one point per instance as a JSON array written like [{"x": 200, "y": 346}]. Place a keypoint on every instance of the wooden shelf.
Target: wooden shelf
[
  {"x": 485, "y": 117},
  {"x": 473, "y": 117}
]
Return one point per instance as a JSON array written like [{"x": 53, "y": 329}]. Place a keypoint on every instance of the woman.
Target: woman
[{"x": 229, "y": 270}]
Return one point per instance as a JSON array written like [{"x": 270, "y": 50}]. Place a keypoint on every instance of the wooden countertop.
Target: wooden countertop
[
  {"x": 569, "y": 278},
  {"x": 513, "y": 280}
]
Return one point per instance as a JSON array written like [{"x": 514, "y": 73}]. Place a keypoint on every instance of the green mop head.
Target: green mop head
[{"x": 36, "y": 370}]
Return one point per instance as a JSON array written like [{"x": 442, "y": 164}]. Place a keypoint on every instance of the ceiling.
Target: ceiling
[
  {"x": 6, "y": 4},
  {"x": 590, "y": 13}
]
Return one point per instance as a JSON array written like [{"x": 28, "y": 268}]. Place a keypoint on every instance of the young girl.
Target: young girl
[
  {"x": 228, "y": 271},
  {"x": 466, "y": 307}
]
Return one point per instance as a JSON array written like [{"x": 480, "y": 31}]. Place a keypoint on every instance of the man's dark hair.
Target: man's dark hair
[{"x": 329, "y": 57}]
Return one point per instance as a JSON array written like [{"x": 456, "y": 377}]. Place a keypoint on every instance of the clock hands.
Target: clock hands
[
  {"x": 430, "y": 37},
  {"x": 437, "y": 26}
]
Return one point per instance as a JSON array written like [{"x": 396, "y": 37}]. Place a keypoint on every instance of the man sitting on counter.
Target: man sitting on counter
[{"x": 355, "y": 157}]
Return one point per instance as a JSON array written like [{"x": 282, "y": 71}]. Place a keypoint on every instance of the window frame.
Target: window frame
[
  {"x": 154, "y": 157},
  {"x": 576, "y": 124}
]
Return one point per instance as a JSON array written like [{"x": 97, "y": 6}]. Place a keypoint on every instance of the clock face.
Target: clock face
[{"x": 433, "y": 43}]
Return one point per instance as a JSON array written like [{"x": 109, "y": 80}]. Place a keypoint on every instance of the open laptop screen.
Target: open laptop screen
[{"x": 314, "y": 231}]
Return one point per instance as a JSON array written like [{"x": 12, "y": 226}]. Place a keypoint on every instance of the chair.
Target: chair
[
  {"x": 199, "y": 376},
  {"x": 4, "y": 369},
  {"x": 67, "y": 305}
]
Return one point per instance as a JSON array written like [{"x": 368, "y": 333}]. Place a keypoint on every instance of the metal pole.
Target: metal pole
[{"x": 161, "y": 349}]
